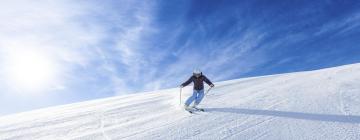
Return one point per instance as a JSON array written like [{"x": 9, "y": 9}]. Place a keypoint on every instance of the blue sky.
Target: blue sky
[{"x": 59, "y": 52}]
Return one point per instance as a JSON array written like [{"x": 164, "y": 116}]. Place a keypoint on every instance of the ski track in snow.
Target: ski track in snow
[{"x": 321, "y": 104}]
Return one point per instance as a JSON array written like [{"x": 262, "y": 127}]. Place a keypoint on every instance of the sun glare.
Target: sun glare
[{"x": 30, "y": 69}]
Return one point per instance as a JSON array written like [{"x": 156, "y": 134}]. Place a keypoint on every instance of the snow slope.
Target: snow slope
[{"x": 322, "y": 104}]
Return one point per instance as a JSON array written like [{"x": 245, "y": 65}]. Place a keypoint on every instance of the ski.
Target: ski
[
  {"x": 199, "y": 109},
  {"x": 192, "y": 110}
]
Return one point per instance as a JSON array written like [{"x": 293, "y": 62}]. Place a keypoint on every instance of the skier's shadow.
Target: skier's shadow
[{"x": 288, "y": 114}]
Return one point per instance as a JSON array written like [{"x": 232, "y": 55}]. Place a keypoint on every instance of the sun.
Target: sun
[{"x": 30, "y": 69}]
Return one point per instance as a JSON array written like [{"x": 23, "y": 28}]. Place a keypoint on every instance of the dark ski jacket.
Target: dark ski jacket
[{"x": 198, "y": 82}]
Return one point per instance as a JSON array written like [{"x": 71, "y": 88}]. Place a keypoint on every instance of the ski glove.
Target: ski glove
[{"x": 212, "y": 85}]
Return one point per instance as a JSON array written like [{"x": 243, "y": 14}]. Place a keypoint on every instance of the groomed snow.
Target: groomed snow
[{"x": 319, "y": 105}]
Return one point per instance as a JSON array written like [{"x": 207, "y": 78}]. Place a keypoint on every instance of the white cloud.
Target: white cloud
[
  {"x": 220, "y": 59},
  {"x": 112, "y": 40},
  {"x": 50, "y": 25},
  {"x": 340, "y": 27},
  {"x": 71, "y": 34},
  {"x": 85, "y": 40}
]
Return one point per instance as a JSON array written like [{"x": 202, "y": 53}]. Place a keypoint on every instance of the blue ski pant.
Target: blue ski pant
[{"x": 197, "y": 96}]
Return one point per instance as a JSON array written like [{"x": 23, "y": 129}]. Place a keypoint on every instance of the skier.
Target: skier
[{"x": 198, "y": 94}]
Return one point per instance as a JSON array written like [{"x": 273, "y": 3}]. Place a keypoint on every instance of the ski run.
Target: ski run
[{"x": 311, "y": 105}]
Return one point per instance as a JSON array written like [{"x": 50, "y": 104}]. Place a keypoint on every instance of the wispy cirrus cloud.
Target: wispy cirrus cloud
[
  {"x": 111, "y": 48},
  {"x": 340, "y": 26},
  {"x": 85, "y": 40}
]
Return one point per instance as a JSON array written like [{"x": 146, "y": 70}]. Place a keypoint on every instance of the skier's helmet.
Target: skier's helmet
[{"x": 197, "y": 73}]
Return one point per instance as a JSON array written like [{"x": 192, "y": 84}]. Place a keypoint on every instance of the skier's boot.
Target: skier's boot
[{"x": 187, "y": 108}]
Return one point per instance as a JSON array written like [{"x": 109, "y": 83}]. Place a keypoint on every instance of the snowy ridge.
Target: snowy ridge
[{"x": 321, "y": 104}]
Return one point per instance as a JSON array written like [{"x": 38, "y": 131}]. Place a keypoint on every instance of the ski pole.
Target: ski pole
[
  {"x": 208, "y": 90},
  {"x": 180, "y": 97}
]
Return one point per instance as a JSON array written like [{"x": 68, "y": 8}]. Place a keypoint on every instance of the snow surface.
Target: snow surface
[{"x": 322, "y": 104}]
